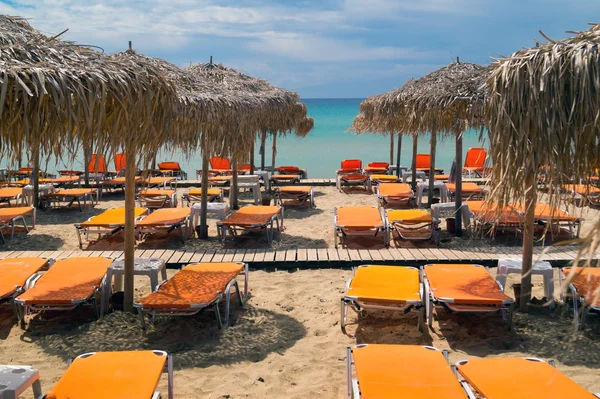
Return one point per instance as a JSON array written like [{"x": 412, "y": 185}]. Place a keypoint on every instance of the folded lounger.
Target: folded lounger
[
  {"x": 8, "y": 194},
  {"x": 517, "y": 378},
  {"x": 172, "y": 168},
  {"x": 103, "y": 375},
  {"x": 475, "y": 161},
  {"x": 167, "y": 219},
  {"x": 394, "y": 194},
  {"x": 592, "y": 194},
  {"x": 357, "y": 221},
  {"x": 157, "y": 181},
  {"x": 488, "y": 216},
  {"x": 400, "y": 371},
  {"x": 252, "y": 218},
  {"x": 295, "y": 195},
  {"x": 376, "y": 179},
  {"x": 155, "y": 198},
  {"x": 66, "y": 285},
  {"x": 194, "y": 195},
  {"x": 17, "y": 275},
  {"x": 10, "y": 216},
  {"x": 465, "y": 288},
  {"x": 411, "y": 224},
  {"x": 108, "y": 223},
  {"x": 66, "y": 198},
  {"x": 584, "y": 286},
  {"x": 292, "y": 170},
  {"x": 384, "y": 288},
  {"x": 376, "y": 168},
  {"x": 194, "y": 288},
  {"x": 470, "y": 191},
  {"x": 545, "y": 213}
]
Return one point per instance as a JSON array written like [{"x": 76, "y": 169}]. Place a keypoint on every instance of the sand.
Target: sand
[{"x": 287, "y": 341}]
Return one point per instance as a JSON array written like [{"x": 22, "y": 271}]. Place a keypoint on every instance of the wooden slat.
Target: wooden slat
[
  {"x": 472, "y": 256},
  {"x": 312, "y": 255},
  {"x": 343, "y": 254},
  {"x": 197, "y": 257},
  {"x": 6, "y": 254},
  {"x": 239, "y": 255},
  {"x": 269, "y": 255},
  {"x": 290, "y": 255},
  {"x": 229, "y": 254},
  {"x": 459, "y": 255},
  {"x": 438, "y": 253},
  {"x": 176, "y": 256},
  {"x": 260, "y": 255},
  {"x": 186, "y": 257},
  {"x": 139, "y": 253},
  {"x": 402, "y": 254},
  {"x": 279, "y": 256},
  {"x": 386, "y": 255},
  {"x": 118, "y": 255},
  {"x": 428, "y": 255},
  {"x": 322, "y": 255},
  {"x": 208, "y": 256},
  {"x": 218, "y": 256},
  {"x": 364, "y": 255},
  {"x": 416, "y": 254},
  {"x": 302, "y": 254},
  {"x": 167, "y": 255},
  {"x": 249, "y": 255},
  {"x": 375, "y": 255},
  {"x": 332, "y": 253}
]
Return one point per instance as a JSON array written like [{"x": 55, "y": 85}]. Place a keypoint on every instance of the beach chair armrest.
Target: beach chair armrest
[
  {"x": 465, "y": 385},
  {"x": 31, "y": 281}
]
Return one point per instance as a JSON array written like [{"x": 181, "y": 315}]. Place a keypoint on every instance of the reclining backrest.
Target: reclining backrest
[
  {"x": 349, "y": 164},
  {"x": 288, "y": 169},
  {"x": 170, "y": 165},
  {"x": 120, "y": 162},
  {"x": 220, "y": 163},
  {"x": 97, "y": 164},
  {"x": 423, "y": 161},
  {"x": 475, "y": 158}
]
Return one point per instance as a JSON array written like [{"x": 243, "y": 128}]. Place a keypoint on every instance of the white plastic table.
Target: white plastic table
[
  {"x": 220, "y": 208},
  {"x": 264, "y": 175},
  {"x": 544, "y": 268},
  {"x": 43, "y": 189},
  {"x": 406, "y": 174},
  {"x": 436, "y": 210},
  {"x": 150, "y": 267},
  {"x": 437, "y": 185},
  {"x": 14, "y": 380},
  {"x": 251, "y": 182}
]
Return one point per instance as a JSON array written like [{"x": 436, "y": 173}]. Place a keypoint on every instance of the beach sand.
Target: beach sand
[{"x": 287, "y": 341}]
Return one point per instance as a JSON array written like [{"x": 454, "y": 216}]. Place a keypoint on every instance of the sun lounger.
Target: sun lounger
[
  {"x": 357, "y": 221},
  {"x": 292, "y": 170},
  {"x": 219, "y": 166},
  {"x": 423, "y": 163},
  {"x": 194, "y": 288},
  {"x": 584, "y": 287},
  {"x": 465, "y": 288},
  {"x": 394, "y": 194},
  {"x": 115, "y": 183},
  {"x": 284, "y": 179},
  {"x": 153, "y": 198},
  {"x": 590, "y": 193},
  {"x": 107, "y": 223},
  {"x": 354, "y": 180},
  {"x": 66, "y": 285},
  {"x": 166, "y": 219},
  {"x": 156, "y": 182},
  {"x": 517, "y": 378},
  {"x": 20, "y": 174},
  {"x": 69, "y": 172},
  {"x": 68, "y": 197},
  {"x": 126, "y": 374},
  {"x": 488, "y": 216},
  {"x": 254, "y": 219},
  {"x": 475, "y": 162},
  {"x": 441, "y": 177},
  {"x": 545, "y": 213},
  {"x": 194, "y": 195},
  {"x": 411, "y": 224},
  {"x": 350, "y": 166},
  {"x": 172, "y": 168},
  {"x": 97, "y": 167},
  {"x": 376, "y": 168},
  {"x": 376, "y": 179},
  {"x": 8, "y": 194},
  {"x": 219, "y": 181},
  {"x": 470, "y": 191},
  {"x": 10, "y": 216},
  {"x": 17, "y": 274},
  {"x": 384, "y": 288},
  {"x": 400, "y": 371},
  {"x": 64, "y": 180},
  {"x": 295, "y": 195},
  {"x": 120, "y": 162}
]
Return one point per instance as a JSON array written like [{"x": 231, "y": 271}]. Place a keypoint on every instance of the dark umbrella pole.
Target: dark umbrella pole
[
  {"x": 398, "y": 152},
  {"x": 458, "y": 188},
  {"x": 413, "y": 165},
  {"x": 432, "y": 169}
]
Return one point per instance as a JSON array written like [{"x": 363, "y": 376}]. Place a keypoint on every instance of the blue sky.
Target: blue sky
[{"x": 326, "y": 48}]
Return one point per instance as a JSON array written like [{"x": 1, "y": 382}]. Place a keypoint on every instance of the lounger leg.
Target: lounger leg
[
  {"x": 218, "y": 313},
  {"x": 511, "y": 310},
  {"x": 239, "y": 294},
  {"x": 2, "y": 237},
  {"x": 421, "y": 320},
  {"x": 37, "y": 389},
  {"x": 343, "y": 314},
  {"x": 142, "y": 321}
]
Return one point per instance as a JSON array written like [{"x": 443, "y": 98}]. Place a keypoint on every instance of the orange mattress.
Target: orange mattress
[
  {"x": 296, "y": 189},
  {"x": 409, "y": 216},
  {"x": 467, "y": 188},
  {"x": 404, "y": 371},
  {"x": 386, "y": 283},
  {"x": 520, "y": 379},
  {"x": 211, "y": 192},
  {"x": 587, "y": 282},
  {"x": 252, "y": 215},
  {"x": 65, "y": 179},
  {"x": 103, "y": 375},
  {"x": 68, "y": 280},
  {"x": 117, "y": 181},
  {"x": 489, "y": 213},
  {"x": 193, "y": 285},
  {"x": 111, "y": 217},
  {"x": 582, "y": 189},
  {"x": 7, "y": 214},
  {"x": 547, "y": 212},
  {"x": 465, "y": 284},
  {"x": 10, "y": 192},
  {"x": 72, "y": 192},
  {"x": 284, "y": 177},
  {"x": 15, "y": 272},
  {"x": 164, "y": 217},
  {"x": 153, "y": 192},
  {"x": 359, "y": 217},
  {"x": 398, "y": 190},
  {"x": 389, "y": 178},
  {"x": 156, "y": 180}
]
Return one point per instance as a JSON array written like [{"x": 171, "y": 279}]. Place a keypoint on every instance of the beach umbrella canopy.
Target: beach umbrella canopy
[{"x": 544, "y": 112}]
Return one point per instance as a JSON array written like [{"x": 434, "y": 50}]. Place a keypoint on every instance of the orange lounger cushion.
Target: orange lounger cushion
[
  {"x": 467, "y": 188},
  {"x": 545, "y": 211},
  {"x": 72, "y": 192},
  {"x": 11, "y": 213},
  {"x": 111, "y": 217},
  {"x": 194, "y": 285},
  {"x": 211, "y": 191},
  {"x": 289, "y": 169},
  {"x": 156, "y": 192},
  {"x": 296, "y": 190},
  {"x": 395, "y": 190},
  {"x": 404, "y": 371},
  {"x": 67, "y": 281},
  {"x": 219, "y": 179},
  {"x": 157, "y": 180},
  {"x": 441, "y": 177},
  {"x": 354, "y": 178},
  {"x": 375, "y": 169},
  {"x": 15, "y": 272},
  {"x": 164, "y": 217},
  {"x": 65, "y": 179},
  {"x": 252, "y": 215},
  {"x": 465, "y": 284},
  {"x": 409, "y": 216},
  {"x": 582, "y": 189},
  {"x": 489, "y": 213},
  {"x": 519, "y": 379},
  {"x": 284, "y": 177},
  {"x": 587, "y": 282},
  {"x": 169, "y": 166},
  {"x": 359, "y": 217},
  {"x": 131, "y": 375},
  {"x": 386, "y": 283},
  {"x": 384, "y": 177},
  {"x": 10, "y": 192}
]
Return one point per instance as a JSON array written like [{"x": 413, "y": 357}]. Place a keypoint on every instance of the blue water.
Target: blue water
[{"x": 321, "y": 151}]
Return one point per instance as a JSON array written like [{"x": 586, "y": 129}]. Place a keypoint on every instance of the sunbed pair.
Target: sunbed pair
[
  {"x": 351, "y": 174},
  {"x": 411, "y": 371}
]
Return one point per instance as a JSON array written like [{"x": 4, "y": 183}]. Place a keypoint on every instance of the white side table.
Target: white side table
[
  {"x": 220, "y": 208},
  {"x": 146, "y": 267},
  {"x": 264, "y": 175},
  {"x": 14, "y": 380},
  {"x": 406, "y": 174},
  {"x": 436, "y": 210},
  {"x": 43, "y": 189},
  {"x": 544, "y": 268},
  {"x": 437, "y": 185},
  {"x": 251, "y": 182}
]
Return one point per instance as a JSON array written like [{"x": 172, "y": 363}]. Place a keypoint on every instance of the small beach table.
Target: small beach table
[
  {"x": 407, "y": 173},
  {"x": 43, "y": 189},
  {"x": 249, "y": 181},
  {"x": 220, "y": 208},
  {"x": 437, "y": 185},
  {"x": 14, "y": 380},
  {"x": 264, "y": 175},
  {"x": 150, "y": 267},
  {"x": 543, "y": 268}
]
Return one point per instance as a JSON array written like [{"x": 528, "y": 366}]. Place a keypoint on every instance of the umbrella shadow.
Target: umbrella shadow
[
  {"x": 66, "y": 216},
  {"x": 304, "y": 212},
  {"x": 27, "y": 242}
]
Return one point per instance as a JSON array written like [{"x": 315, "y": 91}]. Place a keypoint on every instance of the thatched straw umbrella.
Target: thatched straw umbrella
[
  {"x": 544, "y": 110},
  {"x": 446, "y": 101}
]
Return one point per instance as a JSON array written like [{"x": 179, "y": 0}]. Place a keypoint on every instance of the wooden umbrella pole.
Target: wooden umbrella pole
[
  {"x": 530, "y": 200},
  {"x": 432, "y": 169},
  {"x": 391, "y": 148},
  {"x": 87, "y": 154},
  {"x": 204, "y": 195},
  {"x": 398, "y": 152},
  {"x": 274, "y": 153},
  {"x": 263, "y": 144},
  {"x": 233, "y": 196},
  {"x": 252, "y": 158},
  {"x": 35, "y": 176},
  {"x": 458, "y": 182},
  {"x": 129, "y": 223},
  {"x": 413, "y": 165}
]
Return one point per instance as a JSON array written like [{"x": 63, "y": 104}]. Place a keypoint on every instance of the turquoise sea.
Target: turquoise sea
[{"x": 321, "y": 151}]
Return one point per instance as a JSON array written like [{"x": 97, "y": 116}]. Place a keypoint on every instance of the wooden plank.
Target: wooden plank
[
  {"x": 459, "y": 255},
  {"x": 176, "y": 256},
  {"x": 207, "y": 256},
  {"x": 401, "y": 254},
  {"x": 312, "y": 255},
  {"x": 118, "y": 255},
  {"x": 385, "y": 254},
  {"x": 302, "y": 254},
  {"x": 428, "y": 254},
  {"x": 332, "y": 253},
  {"x": 157, "y": 254},
  {"x": 354, "y": 255},
  {"x": 416, "y": 254},
  {"x": 7, "y": 254},
  {"x": 185, "y": 258},
  {"x": 55, "y": 254},
  {"x": 269, "y": 255},
  {"x": 218, "y": 256},
  {"x": 439, "y": 254},
  {"x": 229, "y": 254},
  {"x": 343, "y": 254},
  {"x": 322, "y": 255},
  {"x": 449, "y": 254},
  {"x": 472, "y": 256},
  {"x": 375, "y": 255},
  {"x": 249, "y": 255},
  {"x": 290, "y": 255},
  {"x": 139, "y": 253},
  {"x": 197, "y": 256},
  {"x": 364, "y": 255},
  {"x": 167, "y": 255},
  {"x": 239, "y": 255},
  {"x": 260, "y": 255}
]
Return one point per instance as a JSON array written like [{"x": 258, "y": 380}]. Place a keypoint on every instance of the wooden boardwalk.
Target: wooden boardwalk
[{"x": 292, "y": 258}]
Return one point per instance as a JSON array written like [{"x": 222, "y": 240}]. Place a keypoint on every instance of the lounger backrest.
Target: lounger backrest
[
  {"x": 220, "y": 163},
  {"x": 379, "y": 164},
  {"x": 587, "y": 282},
  {"x": 14, "y": 272},
  {"x": 475, "y": 158},
  {"x": 423, "y": 161},
  {"x": 170, "y": 165},
  {"x": 120, "y": 162},
  {"x": 244, "y": 167},
  {"x": 288, "y": 169},
  {"x": 166, "y": 216},
  {"x": 97, "y": 164},
  {"x": 351, "y": 164}
]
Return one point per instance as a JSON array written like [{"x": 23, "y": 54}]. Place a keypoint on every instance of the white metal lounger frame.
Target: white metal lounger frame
[
  {"x": 399, "y": 225},
  {"x": 50, "y": 199},
  {"x": 357, "y": 304},
  {"x": 506, "y": 308},
  {"x": 394, "y": 200},
  {"x": 197, "y": 307},
  {"x": 298, "y": 196},
  {"x": 168, "y": 369},
  {"x": 339, "y": 231},
  {"x": 353, "y": 385},
  {"x": 578, "y": 317},
  {"x": 14, "y": 221},
  {"x": 275, "y": 220},
  {"x": 343, "y": 178},
  {"x": 102, "y": 231},
  {"x": 144, "y": 230}
]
